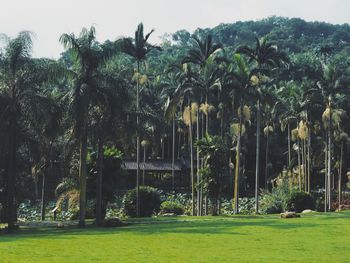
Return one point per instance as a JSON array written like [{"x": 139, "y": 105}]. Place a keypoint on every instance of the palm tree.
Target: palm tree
[
  {"x": 184, "y": 93},
  {"x": 22, "y": 101},
  {"x": 47, "y": 128},
  {"x": 238, "y": 77},
  {"x": 137, "y": 48},
  {"x": 203, "y": 54},
  {"x": 87, "y": 56},
  {"x": 331, "y": 84},
  {"x": 265, "y": 55}
]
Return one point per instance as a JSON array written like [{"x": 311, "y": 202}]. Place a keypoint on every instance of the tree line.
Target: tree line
[{"x": 244, "y": 114}]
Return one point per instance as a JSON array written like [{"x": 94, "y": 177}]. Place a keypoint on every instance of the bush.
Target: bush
[
  {"x": 299, "y": 201},
  {"x": 184, "y": 200},
  {"x": 275, "y": 201},
  {"x": 246, "y": 206},
  {"x": 112, "y": 222},
  {"x": 149, "y": 202},
  {"x": 171, "y": 207}
]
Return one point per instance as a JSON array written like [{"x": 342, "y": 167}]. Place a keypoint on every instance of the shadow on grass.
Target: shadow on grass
[{"x": 203, "y": 226}]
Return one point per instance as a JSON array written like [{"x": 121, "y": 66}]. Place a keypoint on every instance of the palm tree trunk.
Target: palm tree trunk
[
  {"x": 137, "y": 144},
  {"x": 289, "y": 148},
  {"x": 82, "y": 177},
  {"x": 179, "y": 146},
  {"x": 257, "y": 160},
  {"x": 191, "y": 158},
  {"x": 173, "y": 157},
  {"x": 36, "y": 190},
  {"x": 238, "y": 162},
  {"x": 47, "y": 172},
  {"x": 325, "y": 173},
  {"x": 267, "y": 158},
  {"x": 340, "y": 175},
  {"x": 99, "y": 183},
  {"x": 304, "y": 165},
  {"x": 299, "y": 158},
  {"x": 198, "y": 167},
  {"x": 43, "y": 196},
  {"x": 144, "y": 165},
  {"x": 329, "y": 156},
  {"x": 309, "y": 161},
  {"x": 11, "y": 178}
]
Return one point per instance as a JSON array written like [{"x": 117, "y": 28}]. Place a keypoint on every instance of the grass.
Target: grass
[{"x": 311, "y": 238}]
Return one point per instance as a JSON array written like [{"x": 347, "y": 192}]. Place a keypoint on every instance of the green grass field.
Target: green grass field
[{"x": 311, "y": 238}]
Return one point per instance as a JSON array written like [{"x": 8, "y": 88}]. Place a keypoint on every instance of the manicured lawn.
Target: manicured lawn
[{"x": 312, "y": 238}]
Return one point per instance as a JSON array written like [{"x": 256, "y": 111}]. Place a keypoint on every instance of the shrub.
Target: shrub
[
  {"x": 299, "y": 201},
  {"x": 112, "y": 222},
  {"x": 171, "y": 207},
  {"x": 275, "y": 201},
  {"x": 149, "y": 202},
  {"x": 182, "y": 199},
  {"x": 245, "y": 205}
]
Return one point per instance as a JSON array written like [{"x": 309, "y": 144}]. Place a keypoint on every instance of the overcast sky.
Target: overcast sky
[{"x": 48, "y": 19}]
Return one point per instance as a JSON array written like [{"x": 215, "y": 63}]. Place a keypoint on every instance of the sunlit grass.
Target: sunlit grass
[{"x": 311, "y": 238}]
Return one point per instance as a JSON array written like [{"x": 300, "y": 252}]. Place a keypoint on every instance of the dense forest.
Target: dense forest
[{"x": 247, "y": 105}]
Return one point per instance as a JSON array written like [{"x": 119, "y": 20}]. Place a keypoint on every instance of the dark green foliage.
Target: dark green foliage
[
  {"x": 299, "y": 201},
  {"x": 171, "y": 207},
  {"x": 245, "y": 206},
  {"x": 112, "y": 171},
  {"x": 214, "y": 151},
  {"x": 275, "y": 201},
  {"x": 149, "y": 202}
]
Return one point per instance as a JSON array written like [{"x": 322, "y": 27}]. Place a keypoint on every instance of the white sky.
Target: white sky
[{"x": 48, "y": 19}]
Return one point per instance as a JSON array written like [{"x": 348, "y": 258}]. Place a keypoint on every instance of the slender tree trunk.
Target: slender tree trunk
[
  {"x": 192, "y": 165},
  {"x": 47, "y": 172},
  {"x": 162, "y": 145},
  {"x": 340, "y": 174},
  {"x": 144, "y": 165},
  {"x": 329, "y": 156},
  {"x": 138, "y": 201},
  {"x": 179, "y": 146},
  {"x": 309, "y": 161},
  {"x": 43, "y": 196},
  {"x": 267, "y": 158},
  {"x": 257, "y": 160},
  {"x": 173, "y": 157},
  {"x": 82, "y": 177},
  {"x": 238, "y": 162},
  {"x": 304, "y": 164},
  {"x": 198, "y": 166},
  {"x": 289, "y": 148},
  {"x": 325, "y": 173},
  {"x": 36, "y": 190},
  {"x": 222, "y": 124},
  {"x": 299, "y": 158},
  {"x": 11, "y": 178},
  {"x": 99, "y": 218}
]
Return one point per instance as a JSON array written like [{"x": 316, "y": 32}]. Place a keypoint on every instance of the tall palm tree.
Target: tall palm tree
[
  {"x": 184, "y": 94},
  {"x": 22, "y": 101},
  {"x": 331, "y": 85},
  {"x": 137, "y": 48},
  {"x": 266, "y": 56},
  {"x": 88, "y": 56},
  {"x": 238, "y": 77},
  {"x": 203, "y": 53}
]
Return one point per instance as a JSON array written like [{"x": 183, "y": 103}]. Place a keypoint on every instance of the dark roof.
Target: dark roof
[{"x": 153, "y": 165}]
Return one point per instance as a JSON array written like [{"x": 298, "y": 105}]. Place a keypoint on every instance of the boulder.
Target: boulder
[
  {"x": 307, "y": 211},
  {"x": 168, "y": 214},
  {"x": 289, "y": 215}
]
